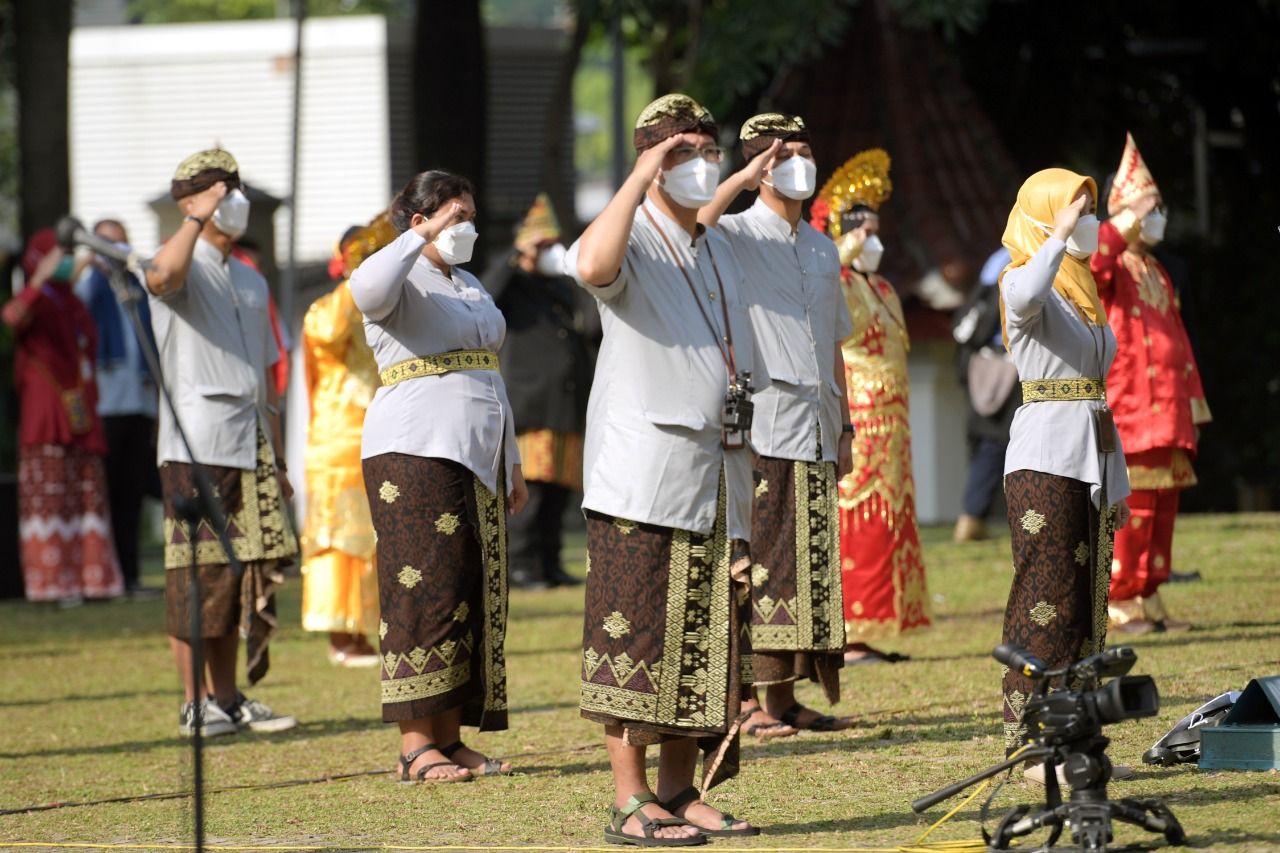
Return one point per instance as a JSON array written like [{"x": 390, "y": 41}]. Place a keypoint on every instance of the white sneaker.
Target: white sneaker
[
  {"x": 215, "y": 720},
  {"x": 256, "y": 717}
]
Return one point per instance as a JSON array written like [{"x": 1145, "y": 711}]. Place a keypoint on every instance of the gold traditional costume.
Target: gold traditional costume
[
  {"x": 340, "y": 583},
  {"x": 880, "y": 556}
]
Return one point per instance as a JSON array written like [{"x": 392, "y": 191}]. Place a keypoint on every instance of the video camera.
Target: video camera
[{"x": 1064, "y": 727}]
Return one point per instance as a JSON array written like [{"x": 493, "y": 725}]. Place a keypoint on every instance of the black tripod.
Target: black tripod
[
  {"x": 1068, "y": 734},
  {"x": 1088, "y": 811},
  {"x": 205, "y": 505}
]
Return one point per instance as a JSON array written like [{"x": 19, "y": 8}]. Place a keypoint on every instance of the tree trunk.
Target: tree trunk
[
  {"x": 450, "y": 93},
  {"x": 42, "y": 52},
  {"x": 559, "y": 112}
]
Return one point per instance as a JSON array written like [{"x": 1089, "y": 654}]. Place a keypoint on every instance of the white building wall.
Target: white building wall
[
  {"x": 144, "y": 97},
  {"x": 939, "y": 450}
]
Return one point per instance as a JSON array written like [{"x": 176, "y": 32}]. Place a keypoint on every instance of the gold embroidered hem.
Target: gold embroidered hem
[
  {"x": 551, "y": 456},
  {"x": 676, "y": 669},
  {"x": 1177, "y": 474},
  {"x": 795, "y": 578},
  {"x": 256, "y": 522},
  {"x": 442, "y": 591}
]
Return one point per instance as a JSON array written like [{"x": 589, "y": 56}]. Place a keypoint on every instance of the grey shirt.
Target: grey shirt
[
  {"x": 792, "y": 289},
  {"x": 412, "y": 309},
  {"x": 215, "y": 342},
  {"x": 1049, "y": 338},
  {"x": 652, "y": 450}
]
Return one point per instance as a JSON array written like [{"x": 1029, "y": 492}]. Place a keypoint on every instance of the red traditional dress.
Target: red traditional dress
[
  {"x": 1154, "y": 389},
  {"x": 881, "y": 561},
  {"x": 64, "y": 522}
]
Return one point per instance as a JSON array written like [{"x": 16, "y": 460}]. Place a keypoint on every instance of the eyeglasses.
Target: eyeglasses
[{"x": 685, "y": 153}]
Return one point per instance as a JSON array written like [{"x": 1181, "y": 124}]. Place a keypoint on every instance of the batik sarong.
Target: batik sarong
[
  {"x": 64, "y": 525},
  {"x": 261, "y": 537},
  {"x": 666, "y": 644},
  {"x": 797, "y": 622},
  {"x": 1057, "y": 606},
  {"x": 442, "y": 589}
]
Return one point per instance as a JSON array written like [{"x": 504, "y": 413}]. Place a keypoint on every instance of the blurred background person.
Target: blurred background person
[
  {"x": 986, "y": 372},
  {"x": 339, "y": 578},
  {"x": 547, "y": 363},
  {"x": 64, "y": 520},
  {"x": 880, "y": 556},
  {"x": 1154, "y": 389},
  {"x": 127, "y": 402}
]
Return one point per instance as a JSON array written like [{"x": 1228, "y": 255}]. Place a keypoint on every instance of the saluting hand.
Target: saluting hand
[
  {"x": 429, "y": 229},
  {"x": 752, "y": 173},
  {"x": 649, "y": 163},
  {"x": 205, "y": 202},
  {"x": 1064, "y": 222}
]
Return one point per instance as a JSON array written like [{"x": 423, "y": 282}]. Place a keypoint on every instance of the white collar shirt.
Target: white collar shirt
[
  {"x": 652, "y": 450},
  {"x": 215, "y": 342},
  {"x": 792, "y": 289},
  {"x": 412, "y": 309}
]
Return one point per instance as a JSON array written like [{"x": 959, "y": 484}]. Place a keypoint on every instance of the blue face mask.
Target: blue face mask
[{"x": 65, "y": 268}]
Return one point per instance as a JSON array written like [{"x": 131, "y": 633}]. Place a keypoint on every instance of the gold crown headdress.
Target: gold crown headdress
[
  {"x": 863, "y": 179},
  {"x": 539, "y": 223},
  {"x": 369, "y": 239},
  {"x": 1133, "y": 179}
]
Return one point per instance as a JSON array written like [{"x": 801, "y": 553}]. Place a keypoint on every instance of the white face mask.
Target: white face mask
[
  {"x": 692, "y": 184},
  {"x": 231, "y": 216},
  {"x": 868, "y": 260},
  {"x": 1083, "y": 241},
  {"x": 455, "y": 243},
  {"x": 794, "y": 177},
  {"x": 551, "y": 261},
  {"x": 1153, "y": 227}
]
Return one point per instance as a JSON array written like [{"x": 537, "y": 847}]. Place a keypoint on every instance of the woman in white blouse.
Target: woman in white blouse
[
  {"x": 442, "y": 472},
  {"x": 1065, "y": 480}
]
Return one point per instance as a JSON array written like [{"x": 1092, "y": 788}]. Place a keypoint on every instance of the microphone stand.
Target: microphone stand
[{"x": 205, "y": 505}]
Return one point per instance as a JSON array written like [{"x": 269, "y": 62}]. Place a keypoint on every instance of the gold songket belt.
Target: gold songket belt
[
  {"x": 1041, "y": 390},
  {"x": 435, "y": 365}
]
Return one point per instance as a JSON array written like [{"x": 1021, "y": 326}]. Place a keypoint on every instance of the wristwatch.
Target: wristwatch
[{"x": 846, "y": 429}]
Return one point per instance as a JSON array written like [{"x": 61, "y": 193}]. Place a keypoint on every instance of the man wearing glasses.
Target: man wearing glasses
[{"x": 667, "y": 483}]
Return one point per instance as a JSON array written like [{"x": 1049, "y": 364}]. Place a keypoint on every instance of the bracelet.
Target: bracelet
[
  {"x": 846, "y": 429},
  {"x": 281, "y": 466},
  {"x": 191, "y": 217}
]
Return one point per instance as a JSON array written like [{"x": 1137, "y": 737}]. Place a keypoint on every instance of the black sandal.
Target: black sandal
[
  {"x": 618, "y": 817},
  {"x": 691, "y": 795},
  {"x": 406, "y": 761},
  {"x": 820, "y": 723},
  {"x": 491, "y": 766},
  {"x": 767, "y": 731}
]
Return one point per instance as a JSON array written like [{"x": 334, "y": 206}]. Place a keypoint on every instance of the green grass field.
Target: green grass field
[{"x": 88, "y": 711}]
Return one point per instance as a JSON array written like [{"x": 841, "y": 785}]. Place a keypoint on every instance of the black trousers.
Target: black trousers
[
  {"x": 534, "y": 535},
  {"x": 131, "y": 475}
]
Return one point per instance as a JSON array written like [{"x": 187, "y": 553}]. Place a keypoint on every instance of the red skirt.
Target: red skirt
[
  {"x": 64, "y": 523},
  {"x": 882, "y": 572}
]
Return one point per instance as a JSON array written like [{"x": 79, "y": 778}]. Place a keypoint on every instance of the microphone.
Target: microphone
[
  {"x": 1020, "y": 660},
  {"x": 71, "y": 232}
]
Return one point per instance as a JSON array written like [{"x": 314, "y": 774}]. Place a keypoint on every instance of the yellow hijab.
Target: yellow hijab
[{"x": 1041, "y": 197}]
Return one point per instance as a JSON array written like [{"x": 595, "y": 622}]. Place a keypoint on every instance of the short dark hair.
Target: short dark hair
[
  {"x": 109, "y": 223},
  {"x": 424, "y": 194}
]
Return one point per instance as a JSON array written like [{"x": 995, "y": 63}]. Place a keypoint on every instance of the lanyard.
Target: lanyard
[{"x": 730, "y": 360}]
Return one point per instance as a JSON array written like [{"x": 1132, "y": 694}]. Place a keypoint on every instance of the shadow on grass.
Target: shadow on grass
[
  {"x": 304, "y": 731},
  {"x": 84, "y": 697}
]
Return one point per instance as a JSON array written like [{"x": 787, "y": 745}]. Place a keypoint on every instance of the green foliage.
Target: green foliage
[
  {"x": 523, "y": 13},
  {"x": 592, "y": 100},
  {"x": 175, "y": 11}
]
